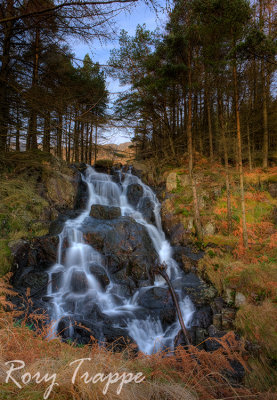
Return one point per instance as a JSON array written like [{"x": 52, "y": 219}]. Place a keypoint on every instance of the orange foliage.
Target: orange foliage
[
  {"x": 191, "y": 372},
  {"x": 273, "y": 241}
]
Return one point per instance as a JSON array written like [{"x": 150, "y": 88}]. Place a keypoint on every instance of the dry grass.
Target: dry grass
[{"x": 187, "y": 374}]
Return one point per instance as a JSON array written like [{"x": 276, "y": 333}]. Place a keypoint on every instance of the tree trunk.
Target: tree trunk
[
  {"x": 76, "y": 140},
  {"x": 226, "y": 162},
  {"x": 59, "y": 135},
  {"x": 237, "y": 112},
  {"x": 95, "y": 144},
  {"x": 46, "y": 134},
  {"x": 197, "y": 222},
  {"x": 18, "y": 126},
  {"x": 210, "y": 129},
  {"x": 249, "y": 145},
  {"x": 265, "y": 117},
  {"x": 4, "y": 76},
  {"x": 32, "y": 129}
]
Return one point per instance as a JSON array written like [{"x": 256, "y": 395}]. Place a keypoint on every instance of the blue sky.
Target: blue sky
[{"x": 139, "y": 13}]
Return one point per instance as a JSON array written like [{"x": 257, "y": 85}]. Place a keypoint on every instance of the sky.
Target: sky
[{"x": 139, "y": 13}]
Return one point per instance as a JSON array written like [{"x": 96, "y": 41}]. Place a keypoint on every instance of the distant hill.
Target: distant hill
[{"x": 116, "y": 152}]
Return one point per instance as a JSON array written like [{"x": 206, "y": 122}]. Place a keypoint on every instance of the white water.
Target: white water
[{"x": 77, "y": 259}]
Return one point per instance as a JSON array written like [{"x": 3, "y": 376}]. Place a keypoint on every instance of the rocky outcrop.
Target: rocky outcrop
[
  {"x": 134, "y": 194},
  {"x": 125, "y": 245},
  {"x": 104, "y": 212}
]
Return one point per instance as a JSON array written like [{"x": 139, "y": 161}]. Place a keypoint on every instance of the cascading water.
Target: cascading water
[{"x": 74, "y": 280}]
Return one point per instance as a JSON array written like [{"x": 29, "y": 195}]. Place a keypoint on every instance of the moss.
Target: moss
[
  {"x": 24, "y": 202},
  {"x": 221, "y": 240}
]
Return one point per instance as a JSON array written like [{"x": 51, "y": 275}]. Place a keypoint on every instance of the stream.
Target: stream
[{"x": 89, "y": 288}]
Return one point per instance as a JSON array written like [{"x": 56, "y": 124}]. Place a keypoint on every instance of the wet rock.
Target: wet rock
[
  {"x": 56, "y": 281},
  {"x": 82, "y": 195},
  {"x": 57, "y": 226},
  {"x": 159, "y": 300},
  {"x": 134, "y": 194},
  {"x": 146, "y": 207},
  {"x": 100, "y": 274},
  {"x": 78, "y": 282},
  {"x": 105, "y": 212},
  {"x": 125, "y": 245}
]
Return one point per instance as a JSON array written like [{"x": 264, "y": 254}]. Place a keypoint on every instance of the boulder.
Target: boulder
[
  {"x": 202, "y": 318},
  {"x": 35, "y": 280},
  {"x": 82, "y": 195},
  {"x": 240, "y": 299},
  {"x": 104, "y": 212},
  {"x": 209, "y": 229},
  {"x": 159, "y": 300},
  {"x": 146, "y": 207},
  {"x": 134, "y": 193},
  {"x": 78, "y": 282},
  {"x": 184, "y": 180},
  {"x": 61, "y": 190},
  {"x": 39, "y": 254},
  {"x": 171, "y": 182},
  {"x": 125, "y": 245}
]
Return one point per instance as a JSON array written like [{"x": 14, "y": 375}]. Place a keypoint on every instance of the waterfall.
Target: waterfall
[{"x": 74, "y": 280}]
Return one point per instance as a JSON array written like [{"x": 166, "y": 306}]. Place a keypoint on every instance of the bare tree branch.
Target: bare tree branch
[{"x": 63, "y": 5}]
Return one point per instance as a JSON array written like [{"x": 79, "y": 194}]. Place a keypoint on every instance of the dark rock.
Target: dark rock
[
  {"x": 78, "y": 282},
  {"x": 56, "y": 281},
  {"x": 81, "y": 167},
  {"x": 134, "y": 193},
  {"x": 125, "y": 245},
  {"x": 39, "y": 253},
  {"x": 186, "y": 251},
  {"x": 228, "y": 317},
  {"x": 146, "y": 207},
  {"x": 100, "y": 274},
  {"x": 56, "y": 226},
  {"x": 202, "y": 318},
  {"x": 211, "y": 344},
  {"x": 178, "y": 235},
  {"x": 105, "y": 212},
  {"x": 82, "y": 195},
  {"x": 237, "y": 374},
  {"x": 36, "y": 281},
  {"x": 159, "y": 300},
  {"x": 200, "y": 293}
]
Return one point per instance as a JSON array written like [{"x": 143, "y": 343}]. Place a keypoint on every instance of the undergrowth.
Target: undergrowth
[{"x": 186, "y": 374}]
